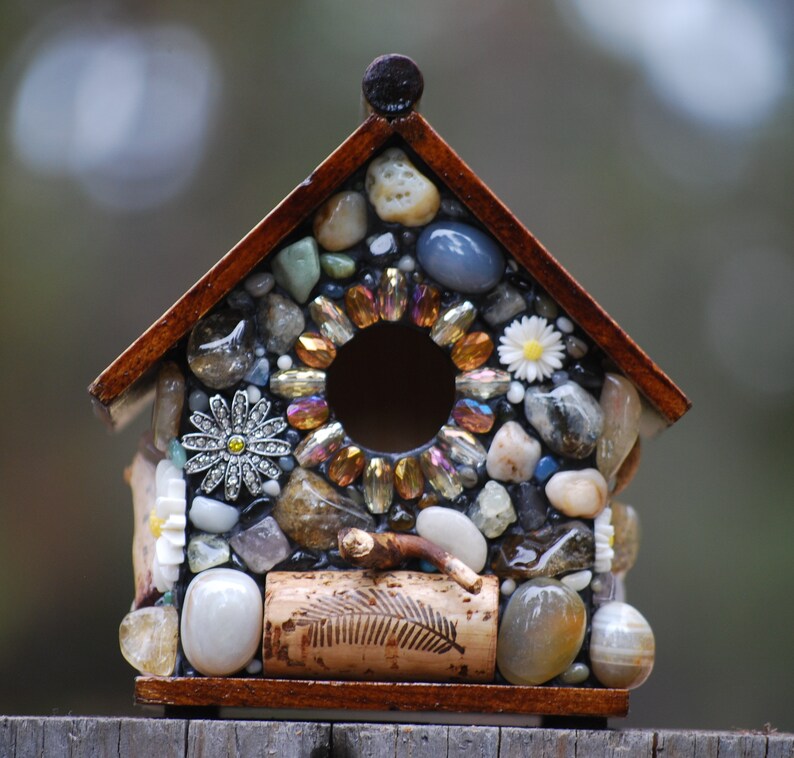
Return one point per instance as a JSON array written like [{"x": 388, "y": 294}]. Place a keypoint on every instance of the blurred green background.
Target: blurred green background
[{"x": 647, "y": 143}]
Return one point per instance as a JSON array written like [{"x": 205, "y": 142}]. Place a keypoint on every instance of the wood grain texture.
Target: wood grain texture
[
  {"x": 381, "y": 696},
  {"x": 127, "y": 373},
  {"x": 29, "y": 737},
  {"x": 397, "y": 625}
]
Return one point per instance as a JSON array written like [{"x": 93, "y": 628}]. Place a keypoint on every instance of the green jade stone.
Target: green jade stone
[
  {"x": 297, "y": 268},
  {"x": 337, "y": 265},
  {"x": 176, "y": 453}
]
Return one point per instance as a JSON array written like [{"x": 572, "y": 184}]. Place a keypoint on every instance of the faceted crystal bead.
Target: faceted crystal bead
[
  {"x": 297, "y": 382},
  {"x": 483, "y": 383},
  {"x": 315, "y": 350},
  {"x": 346, "y": 466},
  {"x": 333, "y": 322},
  {"x": 408, "y": 479},
  {"x": 440, "y": 473},
  {"x": 392, "y": 295},
  {"x": 453, "y": 323},
  {"x": 425, "y": 305},
  {"x": 307, "y": 412},
  {"x": 472, "y": 350},
  {"x": 472, "y": 415},
  {"x": 378, "y": 485},
  {"x": 461, "y": 446},
  {"x": 320, "y": 445},
  {"x": 361, "y": 306}
]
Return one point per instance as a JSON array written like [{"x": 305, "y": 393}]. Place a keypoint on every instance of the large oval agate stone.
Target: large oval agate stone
[
  {"x": 460, "y": 257},
  {"x": 541, "y": 632}
]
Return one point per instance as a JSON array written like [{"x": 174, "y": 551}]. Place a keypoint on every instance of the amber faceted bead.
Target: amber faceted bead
[{"x": 472, "y": 350}]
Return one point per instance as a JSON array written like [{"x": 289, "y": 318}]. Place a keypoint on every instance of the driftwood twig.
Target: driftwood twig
[{"x": 388, "y": 550}]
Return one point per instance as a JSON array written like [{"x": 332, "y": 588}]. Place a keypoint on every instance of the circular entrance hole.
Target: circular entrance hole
[{"x": 391, "y": 387}]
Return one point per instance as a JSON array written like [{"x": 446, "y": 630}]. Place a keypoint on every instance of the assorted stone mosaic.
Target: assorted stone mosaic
[{"x": 256, "y": 471}]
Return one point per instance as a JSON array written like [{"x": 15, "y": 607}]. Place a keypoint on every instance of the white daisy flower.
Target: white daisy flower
[
  {"x": 604, "y": 541},
  {"x": 531, "y": 349}
]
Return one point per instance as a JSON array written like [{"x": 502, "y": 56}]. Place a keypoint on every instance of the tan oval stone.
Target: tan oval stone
[
  {"x": 622, "y": 646},
  {"x": 541, "y": 632},
  {"x": 399, "y": 192},
  {"x": 341, "y": 221},
  {"x": 578, "y": 494},
  {"x": 622, "y": 408}
]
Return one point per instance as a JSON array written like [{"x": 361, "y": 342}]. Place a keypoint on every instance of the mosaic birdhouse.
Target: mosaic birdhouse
[{"x": 389, "y": 442}]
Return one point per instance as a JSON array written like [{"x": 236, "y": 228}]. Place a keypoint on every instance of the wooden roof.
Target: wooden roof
[{"x": 124, "y": 381}]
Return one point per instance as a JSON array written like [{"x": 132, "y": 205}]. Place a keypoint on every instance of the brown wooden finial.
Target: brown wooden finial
[{"x": 392, "y": 85}]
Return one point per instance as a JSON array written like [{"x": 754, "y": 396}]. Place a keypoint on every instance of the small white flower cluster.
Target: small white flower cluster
[
  {"x": 169, "y": 520},
  {"x": 604, "y": 539}
]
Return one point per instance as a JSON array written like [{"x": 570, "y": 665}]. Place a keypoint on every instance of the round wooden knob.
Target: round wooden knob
[{"x": 392, "y": 85}]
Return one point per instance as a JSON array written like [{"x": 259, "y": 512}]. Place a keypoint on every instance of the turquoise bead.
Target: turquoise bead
[
  {"x": 176, "y": 453},
  {"x": 460, "y": 257}
]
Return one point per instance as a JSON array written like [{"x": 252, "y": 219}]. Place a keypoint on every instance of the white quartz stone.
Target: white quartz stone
[
  {"x": 493, "y": 510},
  {"x": 221, "y": 626},
  {"x": 578, "y": 494},
  {"x": 513, "y": 454},
  {"x": 284, "y": 362},
  {"x": 455, "y": 533},
  {"x": 212, "y": 516}
]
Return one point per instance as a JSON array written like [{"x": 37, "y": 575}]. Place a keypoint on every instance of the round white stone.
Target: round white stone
[
  {"x": 578, "y": 580},
  {"x": 578, "y": 494},
  {"x": 508, "y": 587},
  {"x": 212, "y": 516},
  {"x": 254, "y": 394},
  {"x": 455, "y": 533},
  {"x": 221, "y": 626},
  {"x": 284, "y": 362},
  {"x": 271, "y": 487},
  {"x": 516, "y": 393},
  {"x": 513, "y": 454},
  {"x": 565, "y": 325},
  {"x": 406, "y": 264}
]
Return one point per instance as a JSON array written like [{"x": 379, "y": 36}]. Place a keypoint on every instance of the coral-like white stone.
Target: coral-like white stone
[
  {"x": 578, "y": 494},
  {"x": 455, "y": 533},
  {"x": 221, "y": 621},
  {"x": 622, "y": 646},
  {"x": 399, "y": 192},
  {"x": 513, "y": 454}
]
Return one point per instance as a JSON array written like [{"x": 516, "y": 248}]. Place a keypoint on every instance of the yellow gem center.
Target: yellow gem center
[
  {"x": 533, "y": 350},
  {"x": 236, "y": 444},
  {"x": 155, "y": 524}
]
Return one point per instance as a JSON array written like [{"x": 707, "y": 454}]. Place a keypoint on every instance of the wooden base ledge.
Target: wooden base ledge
[{"x": 381, "y": 696}]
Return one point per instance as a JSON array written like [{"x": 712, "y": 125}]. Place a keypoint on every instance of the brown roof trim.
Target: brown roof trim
[
  {"x": 132, "y": 365},
  {"x": 515, "y": 237},
  {"x": 177, "y": 321}
]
